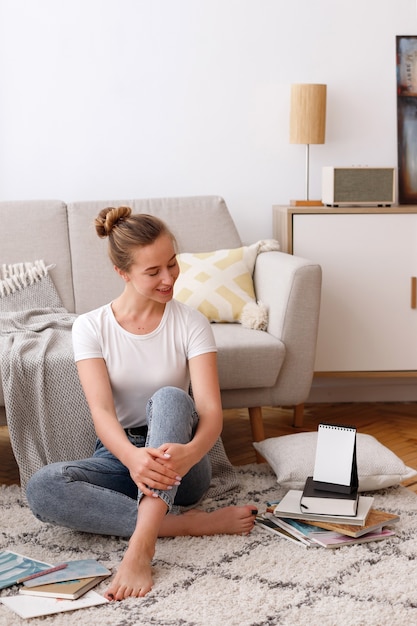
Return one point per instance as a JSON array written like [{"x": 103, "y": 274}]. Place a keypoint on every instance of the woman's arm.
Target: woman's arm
[
  {"x": 142, "y": 463},
  {"x": 96, "y": 385},
  {"x": 206, "y": 394}
]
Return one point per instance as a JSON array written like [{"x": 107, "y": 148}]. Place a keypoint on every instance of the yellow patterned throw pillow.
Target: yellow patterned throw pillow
[{"x": 220, "y": 284}]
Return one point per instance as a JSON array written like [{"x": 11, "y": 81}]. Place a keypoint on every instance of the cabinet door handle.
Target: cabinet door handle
[{"x": 414, "y": 292}]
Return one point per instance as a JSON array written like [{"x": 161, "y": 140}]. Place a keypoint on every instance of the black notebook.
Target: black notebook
[{"x": 325, "y": 502}]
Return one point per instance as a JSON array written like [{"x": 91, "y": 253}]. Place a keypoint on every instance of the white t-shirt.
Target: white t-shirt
[{"x": 139, "y": 365}]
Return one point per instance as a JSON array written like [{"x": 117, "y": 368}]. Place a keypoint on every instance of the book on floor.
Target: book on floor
[
  {"x": 325, "y": 502},
  {"x": 308, "y": 535},
  {"x": 82, "y": 568},
  {"x": 36, "y": 606},
  {"x": 297, "y": 526},
  {"x": 289, "y": 506},
  {"x": 14, "y": 566},
  {"x": 376, "y": 520},
  {"x": 336, "y": 540},
  {"x": 279, "y": 531},
  {"x": 67, "y": 590}
]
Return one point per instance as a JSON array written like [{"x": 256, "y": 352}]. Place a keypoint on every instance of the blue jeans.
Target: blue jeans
[{"x": 97, "y": 495}]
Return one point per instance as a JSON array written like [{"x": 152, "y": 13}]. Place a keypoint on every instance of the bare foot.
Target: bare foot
[
  {"x": 134, "y": 577},
  {"x": 230, "y": 520}
]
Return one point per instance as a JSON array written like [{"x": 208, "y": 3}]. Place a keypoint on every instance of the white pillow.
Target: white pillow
[
  {"x": 292, "y": 459},
  {"x": 220, "y": 284}
]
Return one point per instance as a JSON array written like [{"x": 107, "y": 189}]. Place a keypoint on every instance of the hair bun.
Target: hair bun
[{"x": 109, "y": 218}]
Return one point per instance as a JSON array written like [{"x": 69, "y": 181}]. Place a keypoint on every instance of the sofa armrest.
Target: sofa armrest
[{"x": 290, "y": 287}]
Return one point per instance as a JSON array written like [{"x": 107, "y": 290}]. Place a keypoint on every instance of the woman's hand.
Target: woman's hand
[
  {"x": 151, "y": 468},
  {"x": 180, "y": 458}
]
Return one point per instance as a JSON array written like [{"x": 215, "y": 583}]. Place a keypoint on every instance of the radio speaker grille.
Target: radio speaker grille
[{"x": 357, "y": 185}]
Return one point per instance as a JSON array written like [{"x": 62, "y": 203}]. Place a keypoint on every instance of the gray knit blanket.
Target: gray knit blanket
[{"x": 46, "y": 410}]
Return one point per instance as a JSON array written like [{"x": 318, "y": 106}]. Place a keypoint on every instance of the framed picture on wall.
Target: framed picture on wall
[{"x": 407, "y": 118}]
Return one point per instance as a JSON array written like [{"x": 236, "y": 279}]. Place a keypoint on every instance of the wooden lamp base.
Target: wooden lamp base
[{"x": 306, "y": 203}]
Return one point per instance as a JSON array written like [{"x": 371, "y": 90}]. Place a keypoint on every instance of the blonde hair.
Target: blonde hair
[{"x": 126, "y": 232}]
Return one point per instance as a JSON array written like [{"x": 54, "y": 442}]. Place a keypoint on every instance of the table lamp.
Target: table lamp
[{"x": 307, "y": 124}]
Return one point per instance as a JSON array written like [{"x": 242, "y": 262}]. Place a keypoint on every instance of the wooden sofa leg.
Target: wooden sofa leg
[
  {"x": 298, "y": 415},
  {"x": 257, "y": 427}
]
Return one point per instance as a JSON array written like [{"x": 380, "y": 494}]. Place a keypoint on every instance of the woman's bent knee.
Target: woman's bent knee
[
  {"x": 173, "y": 395},
  {"x": 44, "y": 487}
]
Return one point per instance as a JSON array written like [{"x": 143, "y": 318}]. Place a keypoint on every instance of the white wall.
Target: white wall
[{"x": 135, "y": 98}]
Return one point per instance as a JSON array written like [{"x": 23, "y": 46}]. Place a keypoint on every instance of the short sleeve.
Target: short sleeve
[{"x": 86, "y": 339}]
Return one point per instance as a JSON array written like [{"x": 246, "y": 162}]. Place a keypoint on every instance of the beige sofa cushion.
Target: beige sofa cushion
[
  {"x": 40, "y": 229},
  {"x": 95, "y": 281},
  {"x": 247, "y": 358}
]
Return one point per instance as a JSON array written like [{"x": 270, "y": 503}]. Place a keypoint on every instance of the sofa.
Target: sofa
[{"x": 270, "y": 367}]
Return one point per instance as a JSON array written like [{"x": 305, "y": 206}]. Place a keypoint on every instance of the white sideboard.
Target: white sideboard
[{"x": 368, "y": 319}]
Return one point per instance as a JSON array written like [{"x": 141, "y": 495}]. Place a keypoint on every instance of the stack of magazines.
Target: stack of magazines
[{"x": 287, "y": 519}]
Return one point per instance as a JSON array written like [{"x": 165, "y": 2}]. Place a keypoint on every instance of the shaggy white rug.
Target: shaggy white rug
[{"x": 232, "y": 580}]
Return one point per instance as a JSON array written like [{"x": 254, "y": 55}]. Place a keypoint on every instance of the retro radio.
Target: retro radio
[{"x": 358, "y": 186}]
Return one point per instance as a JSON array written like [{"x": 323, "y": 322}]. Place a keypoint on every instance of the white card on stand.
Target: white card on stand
[{"x": 335, "y": 454}]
